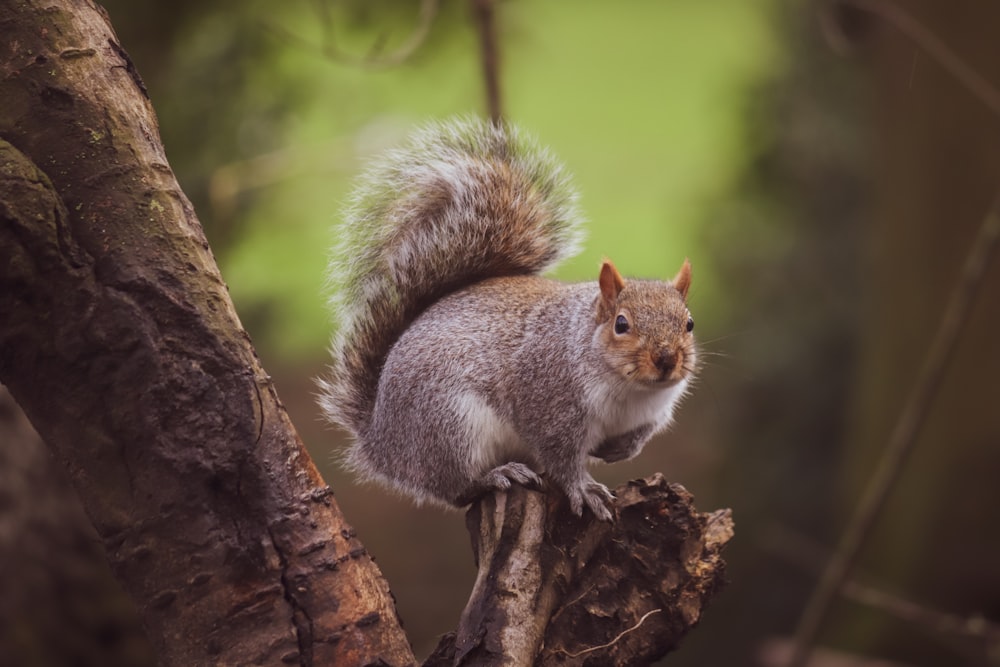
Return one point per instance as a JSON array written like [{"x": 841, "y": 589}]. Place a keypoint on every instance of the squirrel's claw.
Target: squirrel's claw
[
  {"x": 596, "y": 496},
  {"x": 500, "y": 478}
]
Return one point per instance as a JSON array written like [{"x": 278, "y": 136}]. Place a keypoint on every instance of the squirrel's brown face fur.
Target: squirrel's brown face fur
[{"x": 646, "y": 327}]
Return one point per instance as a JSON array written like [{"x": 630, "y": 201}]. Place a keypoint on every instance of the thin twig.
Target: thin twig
[
  {"x": 485, "y": 15},
  {"x": 617, "y": 637},
  {"x": 903, "y": 437}
]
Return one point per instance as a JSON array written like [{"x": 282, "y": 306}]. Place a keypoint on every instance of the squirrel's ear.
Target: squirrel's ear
[
  {"x": 611, "y": 283},
  {"x": 682, "y": 281}
]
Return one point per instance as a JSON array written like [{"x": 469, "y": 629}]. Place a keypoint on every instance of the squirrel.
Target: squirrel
[{"x": 457, "y": 368}]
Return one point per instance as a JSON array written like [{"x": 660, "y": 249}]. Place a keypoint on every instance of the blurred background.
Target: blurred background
[{"x": 825, "y": 166}]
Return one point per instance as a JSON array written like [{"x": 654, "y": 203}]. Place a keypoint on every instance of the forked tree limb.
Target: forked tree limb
[{"x": 557, "y": 589}]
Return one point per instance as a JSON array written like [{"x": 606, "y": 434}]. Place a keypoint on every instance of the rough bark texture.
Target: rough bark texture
[
  {"x": 557, "y": 589},
  {"x": 120, "y": 342}
]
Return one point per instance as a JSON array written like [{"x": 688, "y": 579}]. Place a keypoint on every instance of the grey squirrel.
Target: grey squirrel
[{"x": 457, "y": 369}]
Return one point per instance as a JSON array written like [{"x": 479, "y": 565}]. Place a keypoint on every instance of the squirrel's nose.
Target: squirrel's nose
[{"x": 665, "y": 361}]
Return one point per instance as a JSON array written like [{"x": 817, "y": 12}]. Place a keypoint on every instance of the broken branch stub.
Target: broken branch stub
[{"x": 557, "y": 589}]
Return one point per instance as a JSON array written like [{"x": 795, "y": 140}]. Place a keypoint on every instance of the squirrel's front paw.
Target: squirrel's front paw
[
  {"x": 500, "y": 478},
  {"x": 596, "y": 496}
]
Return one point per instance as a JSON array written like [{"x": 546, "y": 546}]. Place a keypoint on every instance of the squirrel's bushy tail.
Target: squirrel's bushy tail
[{"x": 463, "y": 201}]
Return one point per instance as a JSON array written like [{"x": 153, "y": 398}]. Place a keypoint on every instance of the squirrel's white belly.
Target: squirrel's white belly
[{"x": 492, "y": 440}]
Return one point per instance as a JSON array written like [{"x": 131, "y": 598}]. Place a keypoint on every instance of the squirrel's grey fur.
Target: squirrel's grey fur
[{"x": 457, "y": 369}]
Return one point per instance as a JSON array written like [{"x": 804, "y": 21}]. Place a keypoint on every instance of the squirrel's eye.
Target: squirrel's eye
[
  {"x": 621, "y": 325},
  {"x": 690, "y": 324}
]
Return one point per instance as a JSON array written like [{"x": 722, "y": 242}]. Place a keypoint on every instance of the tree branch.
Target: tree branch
[{"x": 554, "y": 588}]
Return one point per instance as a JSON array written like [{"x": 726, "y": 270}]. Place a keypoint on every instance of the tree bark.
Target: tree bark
[{"x": 120, "y": 342}]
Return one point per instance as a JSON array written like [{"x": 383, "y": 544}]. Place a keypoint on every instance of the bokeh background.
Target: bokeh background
[{"x": 821, "y": 164}]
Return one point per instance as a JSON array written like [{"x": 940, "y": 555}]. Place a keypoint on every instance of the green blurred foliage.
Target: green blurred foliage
[{"x": 642, "y": 100}]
